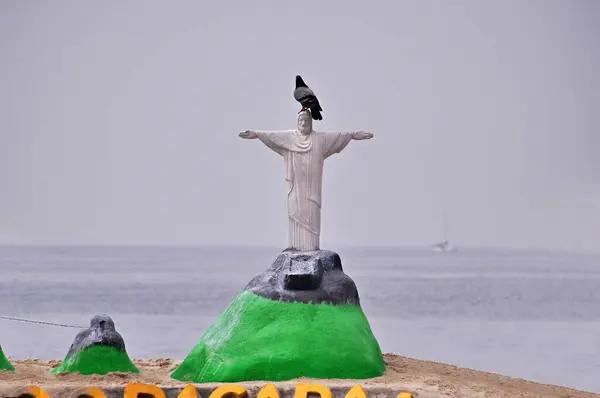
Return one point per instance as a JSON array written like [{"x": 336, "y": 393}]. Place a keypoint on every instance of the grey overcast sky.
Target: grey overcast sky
[{"x": 119, "y": 120}]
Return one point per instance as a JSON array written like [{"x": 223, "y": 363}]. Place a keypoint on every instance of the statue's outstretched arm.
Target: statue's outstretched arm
[
  {"x": 362, "y": 135},
  {"x": 272, "y": 139},
  {"x": 335, "y": 142},
  {"x": 248, "y": 134}
]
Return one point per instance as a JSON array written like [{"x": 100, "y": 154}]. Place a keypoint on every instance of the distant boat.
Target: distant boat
[{"x": 444, "y": 245}]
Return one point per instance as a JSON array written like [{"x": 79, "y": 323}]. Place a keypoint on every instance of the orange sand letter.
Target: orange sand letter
[
  {"x": 37, "y": 392},
  {"x": 405, "y": 395},
  {"x": 302, "y": 390},
  {"x": 357, "y": 392},
  {"x": 133, "y": 389},
  {"x": 188, "y": 392},
  {"x": 222, "y": 391},
  {"x": 268, "y": 391}
]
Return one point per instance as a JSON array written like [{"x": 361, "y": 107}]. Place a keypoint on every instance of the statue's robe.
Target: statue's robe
[{"x": 304, "y": 156}]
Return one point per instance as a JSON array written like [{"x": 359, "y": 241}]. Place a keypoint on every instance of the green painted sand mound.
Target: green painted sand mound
[
  {"x": 97, "y": 360},
  {"x": 4, "y": 363},
  {"x": 261, "y": 339}
]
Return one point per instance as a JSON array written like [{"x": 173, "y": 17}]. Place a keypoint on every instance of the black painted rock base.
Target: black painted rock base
[
  {"x": 101, "y": 332},
  {"x": 306, "y": 276},
  {"x": 99, "y": 350}
]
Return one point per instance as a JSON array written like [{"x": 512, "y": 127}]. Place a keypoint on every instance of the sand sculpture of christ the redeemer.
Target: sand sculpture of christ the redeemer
[
  {"x": 304, "y": 152},
  {"x": 301, "y": 317}
]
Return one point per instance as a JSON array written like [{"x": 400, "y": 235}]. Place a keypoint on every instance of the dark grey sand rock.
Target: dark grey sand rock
[
  {"x": 307, "y": 277},
  {"x": 101, "y": 332},
  {"x": 99, "y": 349}
]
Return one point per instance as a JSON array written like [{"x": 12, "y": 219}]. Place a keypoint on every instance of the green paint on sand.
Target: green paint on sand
[
  {"x": 4, "y": 362},
  {"x": 261, "y": 339},
  {"x": 97, "y": 360}
]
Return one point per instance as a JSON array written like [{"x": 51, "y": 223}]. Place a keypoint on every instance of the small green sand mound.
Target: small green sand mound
[
  {"x": 97, "y": 360},
  {"x": 261, "y": 339},
  {"x": 4, "y": 363}
]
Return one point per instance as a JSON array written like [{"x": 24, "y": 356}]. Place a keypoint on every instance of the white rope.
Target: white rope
[{"x": 10, "y": 318}]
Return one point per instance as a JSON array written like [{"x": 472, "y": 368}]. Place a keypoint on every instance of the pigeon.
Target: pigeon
[{"x": 305, "y": 96}]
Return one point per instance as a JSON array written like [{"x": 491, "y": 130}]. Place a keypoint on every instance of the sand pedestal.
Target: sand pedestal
[{"x": 299, "y": 318}]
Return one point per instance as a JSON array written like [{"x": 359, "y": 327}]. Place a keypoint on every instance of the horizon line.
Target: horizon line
[{"x": 340, "y": 247}]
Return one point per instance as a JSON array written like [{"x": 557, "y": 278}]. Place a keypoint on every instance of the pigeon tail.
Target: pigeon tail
[{"x": 316, "y": 114}]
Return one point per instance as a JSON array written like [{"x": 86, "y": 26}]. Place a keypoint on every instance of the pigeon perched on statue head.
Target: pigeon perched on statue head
[{"x": 305, "y": 96}]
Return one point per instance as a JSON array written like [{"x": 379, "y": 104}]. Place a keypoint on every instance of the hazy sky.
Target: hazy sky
[{"x": 119, "y": 120}]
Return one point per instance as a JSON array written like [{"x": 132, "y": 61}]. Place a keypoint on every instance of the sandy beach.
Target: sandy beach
[{"x": 426, "y": 378}]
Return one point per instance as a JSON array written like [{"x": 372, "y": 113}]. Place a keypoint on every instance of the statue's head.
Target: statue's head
[{"x": 305, "y": 122}]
